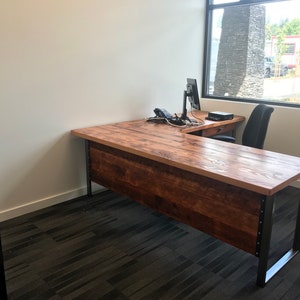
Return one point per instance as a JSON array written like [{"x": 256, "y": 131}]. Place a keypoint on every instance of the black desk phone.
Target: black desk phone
[{"x": 162, "y": 113}]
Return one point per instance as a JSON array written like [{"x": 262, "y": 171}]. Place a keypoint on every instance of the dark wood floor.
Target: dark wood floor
[{"x": 109, "y": 247}]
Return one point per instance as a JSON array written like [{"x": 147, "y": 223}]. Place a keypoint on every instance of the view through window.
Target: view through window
[{"x": 253, "y": 51}]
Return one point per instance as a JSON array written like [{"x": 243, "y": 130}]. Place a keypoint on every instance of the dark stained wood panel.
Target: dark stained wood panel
[{"x": 226, "y": 212}]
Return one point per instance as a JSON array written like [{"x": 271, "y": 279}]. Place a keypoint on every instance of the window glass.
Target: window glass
[
  {"x": 223, "y": 1},
  {"x": 253, "y": 52}
]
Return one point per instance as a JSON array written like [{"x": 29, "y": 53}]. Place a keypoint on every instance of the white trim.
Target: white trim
[
  {"x": 59, "y": 198},
  {"x": 45, "y": 202}
]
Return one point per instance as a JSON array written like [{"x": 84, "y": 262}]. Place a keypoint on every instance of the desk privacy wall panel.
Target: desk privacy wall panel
[{"x": 226, "y": 212}]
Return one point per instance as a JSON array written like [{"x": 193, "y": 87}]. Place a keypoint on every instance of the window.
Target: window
[
  {"x": 290, "y": 48},
  {"x": 252, "y": 51}
]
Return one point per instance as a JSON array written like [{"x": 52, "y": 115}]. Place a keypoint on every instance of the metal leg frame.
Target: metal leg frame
[
  {"x": 3, "y": 292},
  {"x": 88, "y": 172},
  {"x": 296, "y": 245},
  {"x": 263, "y": 243}
]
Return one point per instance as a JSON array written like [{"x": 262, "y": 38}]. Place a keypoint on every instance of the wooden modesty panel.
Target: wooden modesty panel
[{"x": 226, "y": 212}]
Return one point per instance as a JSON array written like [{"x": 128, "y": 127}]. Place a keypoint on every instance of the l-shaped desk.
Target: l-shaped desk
[{"x": 223, "y": 189}]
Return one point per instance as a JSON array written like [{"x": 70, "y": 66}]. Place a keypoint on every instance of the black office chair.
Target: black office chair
[{"x": 256, "y": 128}]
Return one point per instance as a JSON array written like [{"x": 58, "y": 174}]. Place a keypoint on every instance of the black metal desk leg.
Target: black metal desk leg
[
  {"x": 88, "y": 172},
  {"x": 264, "y": 239},
  {"x": 3, "y": 292},
  {"x": 296, "y": 245}
]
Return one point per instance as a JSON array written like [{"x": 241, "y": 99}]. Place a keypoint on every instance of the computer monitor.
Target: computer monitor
[{"x": 191, "y": 93}]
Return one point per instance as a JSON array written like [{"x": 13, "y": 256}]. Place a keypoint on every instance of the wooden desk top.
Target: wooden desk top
[
  {"x": 257, "y": 170},
  {"x": 201, "y": 115}
]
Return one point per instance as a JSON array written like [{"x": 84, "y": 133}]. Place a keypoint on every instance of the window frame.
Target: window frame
[{"x": 209, "y": 9}]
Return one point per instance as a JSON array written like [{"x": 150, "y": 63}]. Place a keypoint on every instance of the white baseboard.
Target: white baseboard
[
  {"x": 45, "y": 202},
  {"x": 59, "y": 198}
]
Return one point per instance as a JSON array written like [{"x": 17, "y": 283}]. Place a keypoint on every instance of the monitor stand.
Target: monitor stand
[{"x": 184, "y": 116}]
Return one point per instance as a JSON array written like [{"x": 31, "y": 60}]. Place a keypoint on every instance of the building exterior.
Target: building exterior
[{"x": 292, "y": 50}]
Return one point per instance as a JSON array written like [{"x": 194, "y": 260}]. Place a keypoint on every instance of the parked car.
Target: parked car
[{"x": 270, "y": 67}]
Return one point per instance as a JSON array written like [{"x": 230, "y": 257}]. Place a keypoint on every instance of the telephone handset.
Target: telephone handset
[
  {"x": 162, "y": 116},
  {"x": 162, "y": 113}
]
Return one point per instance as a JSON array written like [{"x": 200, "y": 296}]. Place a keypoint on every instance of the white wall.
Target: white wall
[{"x": 69, "y": 64}]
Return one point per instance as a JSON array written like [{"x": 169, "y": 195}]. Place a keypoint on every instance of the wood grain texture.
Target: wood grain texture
[
  {"x": 256, "y": 170},
  {"x": 226, "y": 212},
  {"x": 210, "y": 128}
]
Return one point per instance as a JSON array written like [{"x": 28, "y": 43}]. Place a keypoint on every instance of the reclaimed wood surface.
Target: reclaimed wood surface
[
  {"x": 228, "y": 213},
  {"x": 256, "y": 170},
  {"x": 209, "y": 127}
]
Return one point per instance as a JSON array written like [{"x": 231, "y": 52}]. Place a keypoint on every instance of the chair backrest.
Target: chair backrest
[{"x": 256, "y": 128}]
